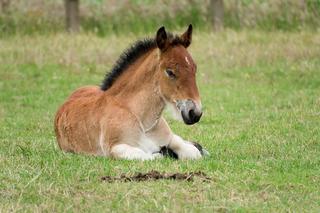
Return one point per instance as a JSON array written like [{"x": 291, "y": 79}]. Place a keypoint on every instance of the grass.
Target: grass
[{"x": 261, "y": 124}]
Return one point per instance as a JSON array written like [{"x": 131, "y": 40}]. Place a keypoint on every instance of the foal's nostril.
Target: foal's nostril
[{"x": 193, "y": 116}]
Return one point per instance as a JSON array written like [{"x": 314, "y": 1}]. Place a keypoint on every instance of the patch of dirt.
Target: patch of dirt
[{"x": 155, "y": 175}]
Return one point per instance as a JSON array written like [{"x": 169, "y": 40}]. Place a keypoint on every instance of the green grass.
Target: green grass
[{"x": 261, "y": 97}]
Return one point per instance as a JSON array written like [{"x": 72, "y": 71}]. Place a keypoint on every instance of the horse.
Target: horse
[{"x": 122, "y": 118}]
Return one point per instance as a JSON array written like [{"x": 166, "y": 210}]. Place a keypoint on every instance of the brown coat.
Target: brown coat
[{"x": 122, "y": 119}]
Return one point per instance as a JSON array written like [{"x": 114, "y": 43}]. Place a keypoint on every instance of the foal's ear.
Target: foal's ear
[
  {"x": 186, "y": 37},
  {"x": 161, "y": 38}
]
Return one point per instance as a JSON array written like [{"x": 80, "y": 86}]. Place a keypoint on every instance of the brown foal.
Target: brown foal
[{"x": 123, "y": 118}]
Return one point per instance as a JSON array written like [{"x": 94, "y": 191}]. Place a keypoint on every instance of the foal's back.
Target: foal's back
[{"x": 86, "y": 92}]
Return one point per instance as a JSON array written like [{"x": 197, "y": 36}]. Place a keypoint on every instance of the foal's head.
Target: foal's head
[{"x": 178, "y": 75}]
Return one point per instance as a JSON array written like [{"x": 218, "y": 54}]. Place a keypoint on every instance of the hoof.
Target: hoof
[{"x": 167, "y": 152}]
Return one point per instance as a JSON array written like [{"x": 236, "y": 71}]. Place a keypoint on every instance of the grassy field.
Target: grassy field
[{"x": 261, "y": 124}]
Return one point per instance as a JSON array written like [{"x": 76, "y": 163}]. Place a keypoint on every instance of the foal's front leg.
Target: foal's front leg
[
  {"x": 184, "y": 149},
  {"x": 126, "y": 138},
  {"x": 165, "y": 137}
]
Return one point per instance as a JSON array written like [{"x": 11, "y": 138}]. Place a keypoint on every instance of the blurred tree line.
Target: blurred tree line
[
  {"x": 216, "y": 11},
  {"x": 103, "y": 17}
]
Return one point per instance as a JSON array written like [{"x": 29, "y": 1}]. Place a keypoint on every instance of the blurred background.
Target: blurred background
[{"x": 118, "y": 16}]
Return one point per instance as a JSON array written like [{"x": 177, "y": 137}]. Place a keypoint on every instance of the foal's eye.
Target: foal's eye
[{"x": 170, "y": 74}]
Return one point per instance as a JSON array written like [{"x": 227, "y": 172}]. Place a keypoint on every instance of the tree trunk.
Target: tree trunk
[
  {"x": 216, "y": 9},
  {"x": 304, "y": 9},
  {"x": 4, "y": 5},
  {"x": 72, "y": 15}
]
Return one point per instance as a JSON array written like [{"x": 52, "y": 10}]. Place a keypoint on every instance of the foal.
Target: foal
[{"x": 123, "y": 118}]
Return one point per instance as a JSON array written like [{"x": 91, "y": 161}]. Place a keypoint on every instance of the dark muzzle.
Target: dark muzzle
[{"x": 190, "y": 112}]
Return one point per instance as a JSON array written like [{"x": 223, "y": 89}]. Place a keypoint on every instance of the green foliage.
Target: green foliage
[
  {"x": 136, "y": 23},
  {"x": 140, "y": 16},
  {"x": 272, "y": 15},
  {"x": 21, "y": 25}
]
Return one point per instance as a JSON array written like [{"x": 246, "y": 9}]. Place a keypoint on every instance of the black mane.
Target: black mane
[{"x": 130, "y": 55}]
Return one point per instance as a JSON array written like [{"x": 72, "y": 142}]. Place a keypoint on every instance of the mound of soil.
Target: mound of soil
[{"x": 155, "y": 175}]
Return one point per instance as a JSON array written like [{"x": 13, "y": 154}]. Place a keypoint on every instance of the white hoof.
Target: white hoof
[{"x": 188, "y": 151}]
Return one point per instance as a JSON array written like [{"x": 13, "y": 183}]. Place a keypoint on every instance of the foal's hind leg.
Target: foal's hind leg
[{"x": 125, "y": 151}]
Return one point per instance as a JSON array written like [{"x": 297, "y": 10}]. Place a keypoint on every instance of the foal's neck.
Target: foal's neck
[{"x": 138, "y": 89}]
